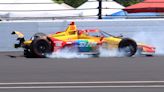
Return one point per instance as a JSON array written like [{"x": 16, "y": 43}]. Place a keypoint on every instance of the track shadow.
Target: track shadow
[{"x": 14, "y": 56}]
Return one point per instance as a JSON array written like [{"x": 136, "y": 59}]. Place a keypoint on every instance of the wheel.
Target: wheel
[
  {"x": 28, "y": 53},
  {"x": 127, "y": 47},
  {"x": 38, "y": 35},
  {"x": 41, "y": 47}
]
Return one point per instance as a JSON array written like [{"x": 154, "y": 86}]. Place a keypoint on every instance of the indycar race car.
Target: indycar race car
[{"x": 83, "y": 41}]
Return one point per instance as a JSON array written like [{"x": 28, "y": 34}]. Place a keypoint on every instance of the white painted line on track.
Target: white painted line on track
[
  {"x": 76, "y": 87},
  {"x": 91, "y": 82}
]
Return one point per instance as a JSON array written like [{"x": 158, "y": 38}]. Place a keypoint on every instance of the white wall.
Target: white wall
[{"x": 145, "y": 30}]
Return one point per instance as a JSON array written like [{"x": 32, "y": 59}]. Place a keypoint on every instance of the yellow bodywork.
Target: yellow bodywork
[
  {"x": 93, "y": 39},
  {"x": 71, "y": 34},
  {"x": 112, "y": 42},
  {"x": 27, "y": 42},
  {"x": 19, "y": 34}
]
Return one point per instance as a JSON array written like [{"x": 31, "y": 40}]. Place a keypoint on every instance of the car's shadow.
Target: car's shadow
[{"x": 14, "y": 56}]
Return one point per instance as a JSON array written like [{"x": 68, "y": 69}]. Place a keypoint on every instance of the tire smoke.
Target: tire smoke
[
  {"x": 151, "y": 38},
  {"x": 67, "y": 53}
]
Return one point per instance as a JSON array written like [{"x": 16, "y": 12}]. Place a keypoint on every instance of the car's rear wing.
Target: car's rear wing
[
  {"x": 20, "y": 38},
  {"x": 19, "y": 34}
]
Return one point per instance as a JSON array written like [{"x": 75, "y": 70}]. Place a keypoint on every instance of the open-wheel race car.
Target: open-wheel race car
[{"x": 83, "y": 41}]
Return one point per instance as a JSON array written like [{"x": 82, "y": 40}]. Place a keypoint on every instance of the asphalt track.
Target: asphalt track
[{"x": 112, "y": 74}]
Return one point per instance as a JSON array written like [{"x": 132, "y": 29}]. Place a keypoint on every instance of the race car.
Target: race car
[{"x": 83, "y": 41}]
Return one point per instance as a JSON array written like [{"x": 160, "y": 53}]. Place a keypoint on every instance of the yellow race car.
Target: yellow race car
[{"x": 83, "y": 41}]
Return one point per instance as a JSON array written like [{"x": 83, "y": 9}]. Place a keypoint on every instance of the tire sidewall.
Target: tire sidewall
[
  {"x": 126, "y": 42},
  {"x": 36, "y": 44}
]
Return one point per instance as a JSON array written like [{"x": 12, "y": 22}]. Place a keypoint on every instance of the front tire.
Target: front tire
[{"x": 127, "y": 47}]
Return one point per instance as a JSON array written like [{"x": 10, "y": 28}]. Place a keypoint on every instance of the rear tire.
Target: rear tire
[
  {"x": 38, "y": 35},
  {"x": 28, "y": 53},
  {"x": 41, "y": 47}
]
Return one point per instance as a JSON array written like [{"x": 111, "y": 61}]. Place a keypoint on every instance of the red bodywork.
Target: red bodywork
[{"x": 146, "y": 49}]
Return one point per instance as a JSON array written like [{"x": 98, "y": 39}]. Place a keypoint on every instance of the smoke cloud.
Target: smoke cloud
[
  {"x": 150, "y": 38},
  {"x": 155, "y": 39},
  {"x": 68, "y": 54}
]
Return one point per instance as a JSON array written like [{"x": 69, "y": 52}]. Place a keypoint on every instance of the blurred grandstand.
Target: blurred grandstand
[{"x": 48, "y": 10}]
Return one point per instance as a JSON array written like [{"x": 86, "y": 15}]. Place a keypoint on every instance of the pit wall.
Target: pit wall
[{"x": 152, "y": 28}]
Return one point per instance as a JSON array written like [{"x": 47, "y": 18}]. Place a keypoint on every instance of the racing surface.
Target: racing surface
[{"x": 114, "y": 74}]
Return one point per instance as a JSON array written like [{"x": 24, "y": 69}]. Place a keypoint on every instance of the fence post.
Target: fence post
[{"x": 100, "y": 9}]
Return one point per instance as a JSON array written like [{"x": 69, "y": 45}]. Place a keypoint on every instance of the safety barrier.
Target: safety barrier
[{"x": 128, "y": 27}]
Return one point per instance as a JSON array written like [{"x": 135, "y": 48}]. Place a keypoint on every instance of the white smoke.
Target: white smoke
[
  {"x": 109, "y": 53},
  {"x": 67, "y": 53},
  {"x": 150, "y": 38},
  {"x": 155, "y": 39}
]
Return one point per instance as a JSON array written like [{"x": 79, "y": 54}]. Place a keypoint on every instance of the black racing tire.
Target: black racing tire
[
  {"x": 28, "y": 53},
  {"x": 127, "y": 47},
  {"x": 38, "y": 35},
  {"x": 40, "y": 47}
]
